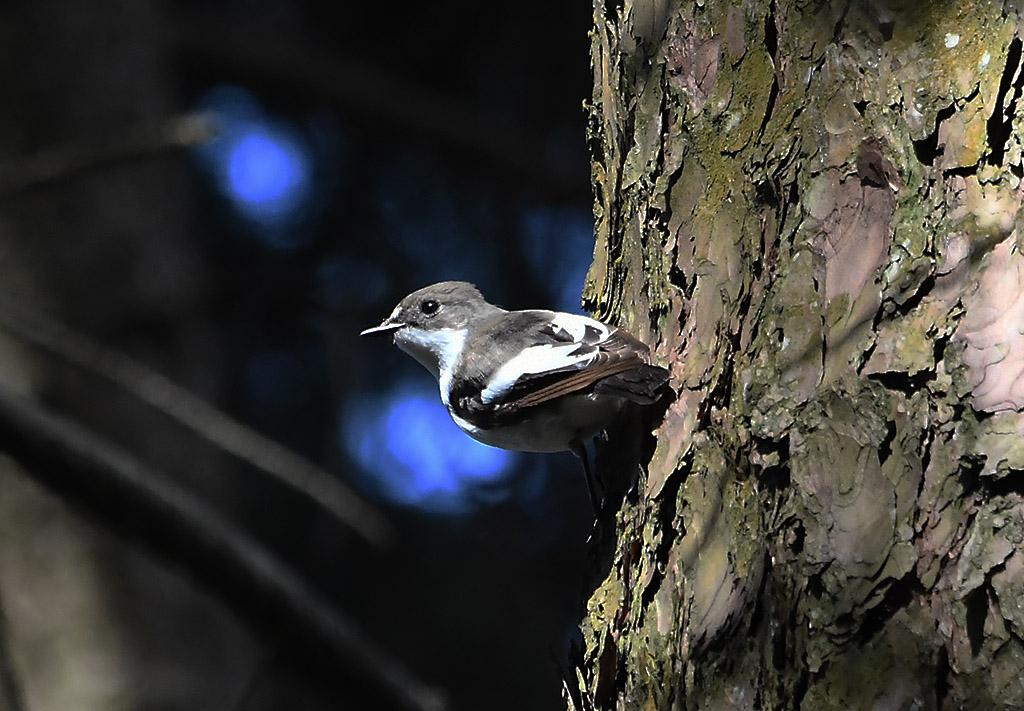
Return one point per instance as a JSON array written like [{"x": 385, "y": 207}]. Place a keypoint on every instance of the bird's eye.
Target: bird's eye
[{"x": 429, "y": 307}]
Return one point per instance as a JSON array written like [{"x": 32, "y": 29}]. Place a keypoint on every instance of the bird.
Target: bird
[{"x": 533, "y": 380}]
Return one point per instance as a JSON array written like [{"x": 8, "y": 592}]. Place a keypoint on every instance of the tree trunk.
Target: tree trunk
[{"x": 812, "y": 211}]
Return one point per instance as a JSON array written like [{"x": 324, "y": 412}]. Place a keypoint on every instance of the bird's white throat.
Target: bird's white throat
[{"x": 437, "y": 350}]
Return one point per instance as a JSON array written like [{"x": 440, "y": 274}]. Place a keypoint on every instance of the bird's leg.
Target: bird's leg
[{"x": 577, "y": 448}]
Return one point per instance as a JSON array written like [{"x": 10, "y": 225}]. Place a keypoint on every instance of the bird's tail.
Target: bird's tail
[{"x": 641, "y": 385}]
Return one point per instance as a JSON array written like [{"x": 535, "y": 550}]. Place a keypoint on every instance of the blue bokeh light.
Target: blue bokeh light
[
  {"x": 261, "y": 164},
  {"x": 412, "y": 454},
  {"x": 267, "y": 170}
]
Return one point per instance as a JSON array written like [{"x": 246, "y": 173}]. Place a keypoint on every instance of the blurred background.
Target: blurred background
[{"x": 362, "y": 150}]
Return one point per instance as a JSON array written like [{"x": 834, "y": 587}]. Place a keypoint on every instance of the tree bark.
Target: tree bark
[{"x": 812, "y": 211}]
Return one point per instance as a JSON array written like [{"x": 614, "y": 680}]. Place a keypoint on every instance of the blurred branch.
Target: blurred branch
[
  {"x": 143, "y": 504},
  {"x": 259, "y": 671},
  {"x": 68, "y": 160},
  {"x": 11, "y": 696},
  {"x": 379, "y": 99},
  {"x": 202, "y": 418}
]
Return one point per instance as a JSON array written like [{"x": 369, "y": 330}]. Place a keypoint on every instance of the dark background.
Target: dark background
[{"x": 364, "y": 150}]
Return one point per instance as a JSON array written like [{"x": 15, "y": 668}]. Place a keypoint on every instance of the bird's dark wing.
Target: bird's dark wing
[
  {"x": 616, "y": 354},
  {"x": 555, "y": 354}
]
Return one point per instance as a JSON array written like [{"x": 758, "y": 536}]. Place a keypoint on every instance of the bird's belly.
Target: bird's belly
[{"x": 551, "y": 427}]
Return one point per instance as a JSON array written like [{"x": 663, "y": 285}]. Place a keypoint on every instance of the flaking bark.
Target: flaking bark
[{"x": 812, "y": 211}]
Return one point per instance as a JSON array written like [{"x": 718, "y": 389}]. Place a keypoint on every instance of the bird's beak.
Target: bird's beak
[{"x": 386, "y": 327}]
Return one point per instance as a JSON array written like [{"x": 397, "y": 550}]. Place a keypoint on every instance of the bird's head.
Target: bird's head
[{"x": 431, "y": 324}]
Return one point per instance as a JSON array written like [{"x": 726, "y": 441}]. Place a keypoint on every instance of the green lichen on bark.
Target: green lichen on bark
[{"x": 808, "y": 210}]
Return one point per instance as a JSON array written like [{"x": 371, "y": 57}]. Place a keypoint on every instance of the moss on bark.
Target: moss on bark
[{"x": 811, "y": 211}]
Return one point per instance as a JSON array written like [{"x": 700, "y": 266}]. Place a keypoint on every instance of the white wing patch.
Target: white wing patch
[
  {"x": 586, "y": 334},
  {"x": 576, "y": 326}
]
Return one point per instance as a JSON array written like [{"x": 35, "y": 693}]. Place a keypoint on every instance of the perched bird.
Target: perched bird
[{"x": 534, "y": 381}]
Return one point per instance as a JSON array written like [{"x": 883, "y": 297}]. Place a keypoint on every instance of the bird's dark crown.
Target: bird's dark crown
[{"x": 447, "y": 304}]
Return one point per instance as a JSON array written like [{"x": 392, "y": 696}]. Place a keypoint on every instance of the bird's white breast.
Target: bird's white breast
[
  {"x": 437, "y": 350},
  {"x": 552, "y": 427}
]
